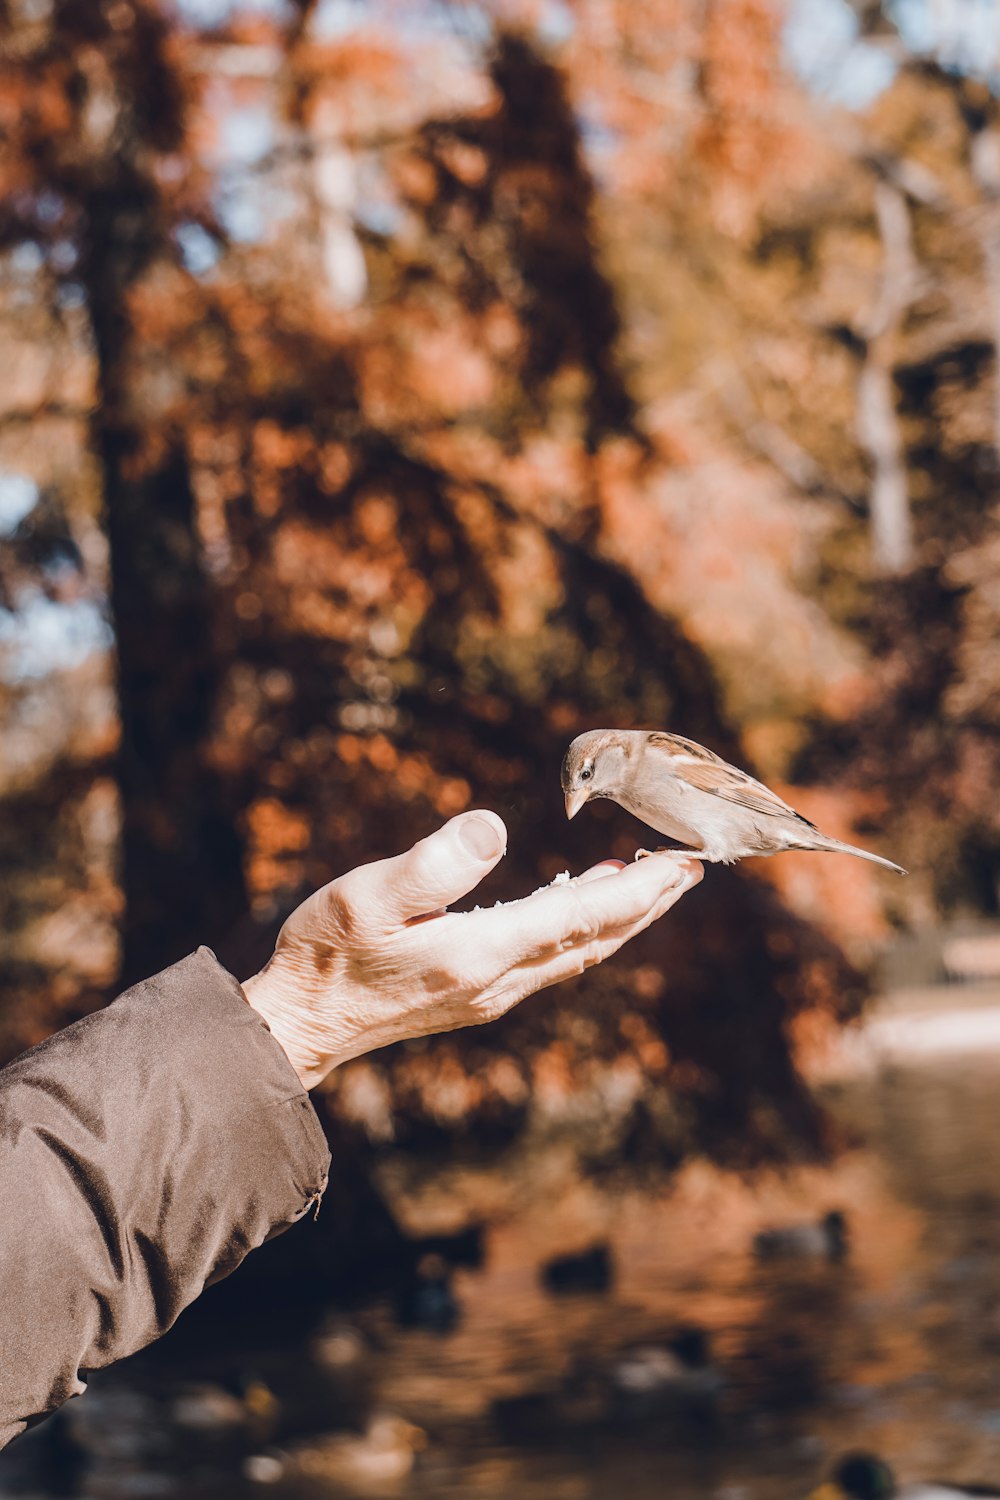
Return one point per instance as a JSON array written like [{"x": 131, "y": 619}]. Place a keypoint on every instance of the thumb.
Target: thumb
[{"x": 439, "y": 869}]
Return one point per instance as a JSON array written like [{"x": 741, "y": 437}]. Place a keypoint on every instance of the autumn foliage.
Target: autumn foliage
[{"x": 417, "y": 397}]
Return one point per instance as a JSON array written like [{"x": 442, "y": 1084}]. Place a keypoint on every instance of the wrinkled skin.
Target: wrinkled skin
[{"x": 374, "y": 957}]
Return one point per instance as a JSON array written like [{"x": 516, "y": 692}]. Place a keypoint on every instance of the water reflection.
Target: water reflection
[{"x": 717, "y": 1337}]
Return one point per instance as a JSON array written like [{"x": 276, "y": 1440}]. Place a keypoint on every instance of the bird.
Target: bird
[
  {"x": 714, "y": 810},
  {"x": 590, "y": 1270},
  {"x": 862, "y": 1476},
  {"x": 424, "y": 1298},
  {"x": 381, "y": 1456},
  {"x": 676, "y": 1377},
  {"x": 825, "y": 1240}
]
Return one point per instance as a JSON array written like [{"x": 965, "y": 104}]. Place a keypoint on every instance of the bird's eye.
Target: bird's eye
[{"x": 586, "y": 773}]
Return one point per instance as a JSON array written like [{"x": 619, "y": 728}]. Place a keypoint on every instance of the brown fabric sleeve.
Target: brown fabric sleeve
[{"x": 143, "y": 1152}]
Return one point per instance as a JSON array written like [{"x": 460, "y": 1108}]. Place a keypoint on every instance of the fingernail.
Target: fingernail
[{"x": 481, "y": 838}]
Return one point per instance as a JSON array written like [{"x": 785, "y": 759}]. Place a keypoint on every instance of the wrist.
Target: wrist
[{"x": 288, "y": 1020}]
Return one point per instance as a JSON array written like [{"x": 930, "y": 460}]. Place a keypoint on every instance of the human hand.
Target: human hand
[{"x": 373, "y": 957}]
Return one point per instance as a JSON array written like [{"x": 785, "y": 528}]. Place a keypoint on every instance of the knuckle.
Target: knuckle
[
  {"x": 584, "y": 926},
  {"x": 489, "y": 1007},
  {"x": 578, "y": 962},
  {"x": 421, "y": 866},
  {"x": 344, "y": 910}
]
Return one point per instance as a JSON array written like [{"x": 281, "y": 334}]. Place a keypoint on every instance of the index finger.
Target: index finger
[{"x": 572, "y": 915}]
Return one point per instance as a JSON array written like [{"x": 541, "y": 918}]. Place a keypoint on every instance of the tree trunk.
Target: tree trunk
[
  {"x": 877, "y": 419},
  {"x": 181, "y": 855}
]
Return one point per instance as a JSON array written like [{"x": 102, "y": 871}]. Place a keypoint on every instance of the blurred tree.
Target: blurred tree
[{"x": 428, "y": 437}]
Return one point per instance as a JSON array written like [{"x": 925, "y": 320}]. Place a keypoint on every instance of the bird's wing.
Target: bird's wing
[{"x": 708, "y": 772}]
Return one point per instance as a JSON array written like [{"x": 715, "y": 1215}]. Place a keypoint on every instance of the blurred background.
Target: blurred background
[{"x": 391, "y": 390}]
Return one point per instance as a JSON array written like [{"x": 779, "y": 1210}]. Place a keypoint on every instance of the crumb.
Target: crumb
[{"x": 563, "y": 878}]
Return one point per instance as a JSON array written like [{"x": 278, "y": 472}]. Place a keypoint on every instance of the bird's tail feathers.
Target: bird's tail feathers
[{"x": 837, "y": 846}]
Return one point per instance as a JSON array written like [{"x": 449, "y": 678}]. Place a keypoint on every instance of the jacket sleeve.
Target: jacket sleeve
[{"x": 143, "y": 1152}]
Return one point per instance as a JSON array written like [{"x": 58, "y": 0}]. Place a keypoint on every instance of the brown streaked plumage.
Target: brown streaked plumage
[{"x": 692, "y": 795}]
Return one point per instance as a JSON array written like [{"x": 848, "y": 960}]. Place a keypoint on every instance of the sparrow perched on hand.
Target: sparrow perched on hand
[{"x": 690, "y": 794}]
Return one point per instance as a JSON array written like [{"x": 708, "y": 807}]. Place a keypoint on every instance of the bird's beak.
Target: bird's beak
[{"x": 575, "y": 800}]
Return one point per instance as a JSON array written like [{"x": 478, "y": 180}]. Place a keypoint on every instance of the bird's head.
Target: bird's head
[
  {"x": 858, "y": 1476},
  {"x": 593, "y": 766}
]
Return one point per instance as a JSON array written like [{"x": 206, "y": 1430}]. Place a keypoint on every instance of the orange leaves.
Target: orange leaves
[
  {"x": 333, "y": 574},
  {"x": 468, "y": 163},
  {"x": 38, "y": 101},
  {"x": 415, "y": 178},
  {"x": 410, "y": 775},
  {"x": 277, "y": 447},
  {"x": 753, "y": 134},
  {"x": 277, "y": 837},
  {"x": 435, "y": 536},
  {"x": 364, "y": 71},
  {"x": 551, "y": 479},
  {"x": 277, "y": 454},
  {"x": 448, "y": 372},
  {"x": 334, "y": 467},
  {"x": 741, "y": 52},
  {"x": 648, "y": 1046},
  {"x": 424, "y": 366},
  {"x": 275, "y": 829},
  {"x": 376, "y": 518}
]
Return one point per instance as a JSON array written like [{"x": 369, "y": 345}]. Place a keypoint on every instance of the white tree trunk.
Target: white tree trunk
[
  {"x": 889, "y": 501},
  {"x": 877, "y": 418}
]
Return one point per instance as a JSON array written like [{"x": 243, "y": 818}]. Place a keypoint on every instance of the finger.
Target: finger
[
  {"x": 596, "y": 872},
  {"x": 590, "y": 912},
  {"x": 538, "y": 973},
  {"x": 600, "y": 871},
  {"x": 571, "y": 915},
  {"x": 573, "y": 957},
  {"x": 436, "y": 871}
]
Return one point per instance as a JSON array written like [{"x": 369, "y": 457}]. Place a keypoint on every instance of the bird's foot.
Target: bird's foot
[{"x": 675, "y": 849}]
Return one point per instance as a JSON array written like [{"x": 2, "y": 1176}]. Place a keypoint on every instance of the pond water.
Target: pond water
[{"x": 893, "y": 1346}]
